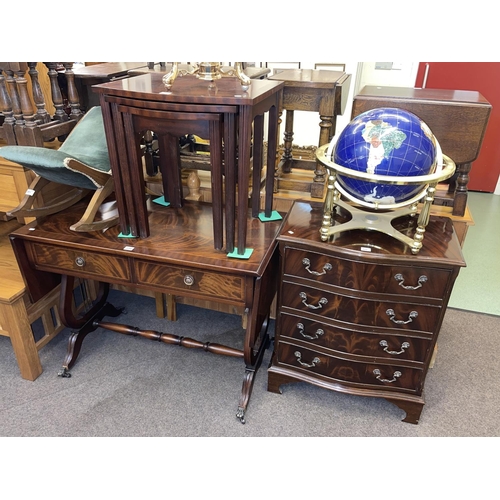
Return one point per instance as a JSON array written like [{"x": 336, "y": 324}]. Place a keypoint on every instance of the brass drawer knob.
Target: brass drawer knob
[
  {"x": 80, "y": 261},
  {"x": 188, "y": 280}
]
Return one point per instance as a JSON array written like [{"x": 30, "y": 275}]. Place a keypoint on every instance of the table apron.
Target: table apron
[{"x": 169, "y": 106}]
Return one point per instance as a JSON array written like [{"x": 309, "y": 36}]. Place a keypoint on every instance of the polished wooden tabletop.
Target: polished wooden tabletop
[
  {"x": 180, "y": 236},
  {"x": 189, "y": 89},
  {"x": 440, "y": 243},
  {"x": 107, "y": 70},
  {"x": 455, "y": 96},
  {"x": 316, "y": 78}
]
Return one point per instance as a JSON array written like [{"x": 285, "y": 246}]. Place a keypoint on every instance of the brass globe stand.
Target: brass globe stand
[
  {"x": 208, "y": 71},
  {"x": 380, "y": 217}
]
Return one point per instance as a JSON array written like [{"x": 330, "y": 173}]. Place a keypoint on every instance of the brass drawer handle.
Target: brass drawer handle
[
  {"x": 326, "y": 267},
  {"x": 314, "y": 362},
  {"x": 318, "y": 332},
  {"x": 400, "y": 278},
  {"x": 396, "y": 375},
  {"x": 385, "y": 345},
  {"x": 80, "y": 261},
  {"x": 188, "y": 280},
  {"x": 392, "y": 314},
  {"x": 321, "y": 302}
]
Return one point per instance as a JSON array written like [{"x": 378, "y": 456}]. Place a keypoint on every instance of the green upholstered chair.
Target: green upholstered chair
[{"x": 81, "y": 163}]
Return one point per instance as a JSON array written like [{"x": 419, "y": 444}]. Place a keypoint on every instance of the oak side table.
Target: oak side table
[{"x": 320, "y": 91}]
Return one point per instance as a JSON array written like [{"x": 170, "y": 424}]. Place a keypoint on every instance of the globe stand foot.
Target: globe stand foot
[{"x": 377, "y": 221}]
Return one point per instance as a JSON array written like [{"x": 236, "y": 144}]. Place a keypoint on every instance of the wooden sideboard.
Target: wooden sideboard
[
  {"x": 177, "y": 258},
  {"x": 361, "y": 314}
]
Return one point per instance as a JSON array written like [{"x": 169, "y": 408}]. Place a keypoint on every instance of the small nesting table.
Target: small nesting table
[
  {"x": 138, "y": 104},
  {"x": 321, "y": 91}
]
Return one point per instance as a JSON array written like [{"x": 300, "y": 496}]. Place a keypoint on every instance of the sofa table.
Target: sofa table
[
  {"x": 142, "y": 103},
  {"x": 177, "y": 258},
  {"x": 361, "y": 314}
]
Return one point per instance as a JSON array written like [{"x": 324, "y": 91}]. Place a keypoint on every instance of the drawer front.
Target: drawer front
[
  {"x": 318, "y": 364},
  {"x": 402, "y": 280},
  {"x": 382, "y": 345},
  {"x": 211, "y": 285},
  {"x": 387, "y": 314},
  {"x": 61, "y": 260}
]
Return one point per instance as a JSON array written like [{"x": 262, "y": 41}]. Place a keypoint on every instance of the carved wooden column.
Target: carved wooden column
[
  {"x": 42, "y": 115},
  {"x": 73, "y": 99},
  {"x": 57, "y": 97},
  {"x": 6, "y": 108},
  {"x": 30, "y": 133}
]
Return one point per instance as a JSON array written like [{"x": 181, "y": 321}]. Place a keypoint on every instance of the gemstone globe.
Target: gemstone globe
[{"x": 388, "y": 142}]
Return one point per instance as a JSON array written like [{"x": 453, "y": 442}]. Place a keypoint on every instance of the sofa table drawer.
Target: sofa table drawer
[
  {"x": 62, "y": 260},
  {"x": 216, "y": 286}
]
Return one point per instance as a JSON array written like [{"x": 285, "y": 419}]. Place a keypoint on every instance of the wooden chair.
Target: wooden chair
[
  {"x": 31, "y": 115},
  {"x": 82, "y": 162},
  {"x": 39, "y": 106}
]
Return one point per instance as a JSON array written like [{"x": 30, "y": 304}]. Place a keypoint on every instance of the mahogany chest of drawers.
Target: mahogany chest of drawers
[{"x": 361, "y": 314}]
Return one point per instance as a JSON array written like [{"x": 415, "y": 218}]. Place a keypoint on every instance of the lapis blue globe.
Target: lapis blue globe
[{"x": 385, "y": 141}]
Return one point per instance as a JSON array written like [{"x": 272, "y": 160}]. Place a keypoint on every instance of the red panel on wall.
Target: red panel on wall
[{"x": 483, "y": 77}]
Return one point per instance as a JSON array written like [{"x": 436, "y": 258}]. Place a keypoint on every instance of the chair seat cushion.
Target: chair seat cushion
[{"x": 86, "y": 144}]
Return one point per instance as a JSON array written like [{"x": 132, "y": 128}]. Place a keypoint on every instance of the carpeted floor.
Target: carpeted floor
[
  {"x": 127, "y": 386},
  {"x": 131, "y": 387}
]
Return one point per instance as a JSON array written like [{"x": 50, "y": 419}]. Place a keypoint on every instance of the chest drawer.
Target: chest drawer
[
  {"x": 59, "y": 259},
  {"x": 226, "y": 287},
  {"x": 375, "y": 278},
  {"x": 316, "y": 364},
  {"x": 345, "y": 340},
  {"x": 379, "y": 313}
]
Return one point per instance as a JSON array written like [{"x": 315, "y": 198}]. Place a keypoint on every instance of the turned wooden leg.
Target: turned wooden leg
[
  {"x": 460, "y": 199},
  {"x": 318, "y": 185},
  {"x": 288, "y": 142}
]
